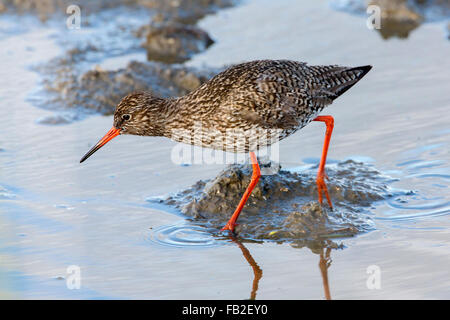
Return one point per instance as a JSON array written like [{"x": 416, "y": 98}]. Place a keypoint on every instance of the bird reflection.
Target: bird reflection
[
  {"x": 257, "y": 271},
  {"x": 324, "y": 264}
]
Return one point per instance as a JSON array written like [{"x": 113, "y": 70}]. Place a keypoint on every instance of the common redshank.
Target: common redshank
[{"x": 242, "y": 109}]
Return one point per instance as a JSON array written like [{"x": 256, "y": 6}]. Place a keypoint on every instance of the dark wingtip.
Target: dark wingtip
[{"x": 364, "y": 69}]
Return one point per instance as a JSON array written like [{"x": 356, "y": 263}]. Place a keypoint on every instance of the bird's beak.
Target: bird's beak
[{"x": 114, "y": 132}]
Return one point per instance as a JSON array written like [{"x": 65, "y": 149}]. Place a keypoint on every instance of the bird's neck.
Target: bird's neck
[
  {"x": 176, "y": 115},
  {"x": 168, "y": 110}
]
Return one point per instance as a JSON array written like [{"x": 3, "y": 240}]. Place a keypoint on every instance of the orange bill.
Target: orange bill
[{"x": 110, "y": 135}]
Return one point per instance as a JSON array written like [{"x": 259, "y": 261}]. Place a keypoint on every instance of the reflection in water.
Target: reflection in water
[
  {"x": 324, "y": 264},
  {"x": 186, "y": 235},
  {"x": 257, "y": 271}
]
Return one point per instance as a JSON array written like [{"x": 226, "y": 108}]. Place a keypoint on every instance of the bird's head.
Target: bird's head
[{"x": 138, "y": 113}]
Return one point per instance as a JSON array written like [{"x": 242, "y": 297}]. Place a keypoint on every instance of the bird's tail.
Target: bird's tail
[{"x": 347, "y": 78}]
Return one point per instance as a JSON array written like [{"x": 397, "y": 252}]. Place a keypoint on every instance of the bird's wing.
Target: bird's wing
[
  {"x": 330, "y": 82},
  {"x": 282, "y": 98},
  {"x": 275, "y": 100},
  {"x": 277, "y": 94}
]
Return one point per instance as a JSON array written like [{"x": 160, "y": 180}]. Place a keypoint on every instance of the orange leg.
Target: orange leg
[
  {"x": 255, "y": 177},
  {"x": 321, "y": 186}
]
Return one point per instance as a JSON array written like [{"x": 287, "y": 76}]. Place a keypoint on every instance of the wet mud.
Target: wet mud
[
  {"x": 74, "y": 86},
  {"x": 399, "y": 17},
  {"x": 284, "y": 206},
  {"x": 99, "y": 91},
  {"x": 174, "y": 42}
]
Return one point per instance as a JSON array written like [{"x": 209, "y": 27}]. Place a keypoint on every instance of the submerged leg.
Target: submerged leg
[
  {"x": 255, "y": 177},
  {"x": 321, "y": 186}
]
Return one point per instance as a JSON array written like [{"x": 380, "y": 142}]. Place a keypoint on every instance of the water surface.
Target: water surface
[{"x": 56, "y": 212}]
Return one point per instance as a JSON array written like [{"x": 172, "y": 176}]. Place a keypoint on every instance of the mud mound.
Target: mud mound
[
  {"x": 284, "y": 206},
  {"x": 174, "y": 42},
  {"x": 99, "y": 90},
  {"x": 75, "y": 87},
  {"x": 399, "y": 17}
]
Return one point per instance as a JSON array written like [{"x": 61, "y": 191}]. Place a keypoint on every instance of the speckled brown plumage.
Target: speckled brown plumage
[{"x": 248, "y": 106}]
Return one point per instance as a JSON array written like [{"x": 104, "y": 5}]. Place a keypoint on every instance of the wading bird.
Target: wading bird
[{"x": 260, "y": 101}]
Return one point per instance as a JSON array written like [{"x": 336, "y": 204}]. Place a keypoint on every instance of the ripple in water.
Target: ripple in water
[
  {"x": 184, "y": 235},
  {"x": 430, "y": 200},
  {"x": 6, "y": 194},
  {"x": 424, "y": 207}
]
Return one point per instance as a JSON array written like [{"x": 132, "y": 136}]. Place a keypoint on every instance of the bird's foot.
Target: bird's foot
[
  {"x": 322, "y": 188},
  {"x": 229, "y": 228}
]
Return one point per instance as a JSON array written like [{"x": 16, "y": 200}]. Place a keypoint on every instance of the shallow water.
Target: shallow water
[{"x": 56, "y": 212}]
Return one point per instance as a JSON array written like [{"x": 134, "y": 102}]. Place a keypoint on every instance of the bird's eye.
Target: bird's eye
[{"x": 126, "y": 117}]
